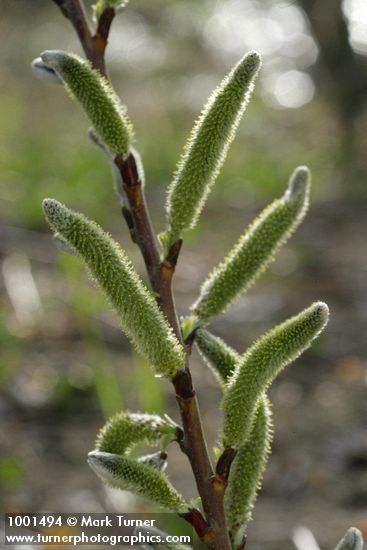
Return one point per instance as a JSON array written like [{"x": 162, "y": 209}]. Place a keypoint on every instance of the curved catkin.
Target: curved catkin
[
  {"x": 261, "y": 364},
  {"x": 255, "y": 250},
  {"x": 219, "y": 357},
  {"x": 352, "y": 540},
  {"x": 207, "y": 147},
  {"x": 246, "y": 473},
  {"x": 141, "y": 319},
  {"x": 96, "y": 96},
  {"x": 131, "y": 475},
  {"x": 124, "y": 430}
]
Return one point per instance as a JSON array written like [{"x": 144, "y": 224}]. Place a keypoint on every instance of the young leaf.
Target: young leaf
[
  {"x": 255, "y": 250},
  {"x": 126, "y": 473},
  {"x": 145, "y": 536},
  {"x": 246, "y": 473},
  {"x": 96, "y": 96},
  {"x": 109, "y": 265},
  {"x": 124, "y": 430},
  {"x": 352, "y": 540},
  {"x": 207, "y": 148},
  {"x": 261, "y": 363},
  {"x": 219, "y": 357}
]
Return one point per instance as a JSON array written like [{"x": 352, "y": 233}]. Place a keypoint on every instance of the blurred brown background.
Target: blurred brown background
[{"x": 64, "y": 364}]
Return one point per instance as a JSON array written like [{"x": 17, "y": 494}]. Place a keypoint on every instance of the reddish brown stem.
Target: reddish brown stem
[
  {"x": 212, "y": 530},
  {"x": 161, "y": 274},
  {"x": 224, "y": 464},
  {"x": 104, "y": 25},
  {"x": 94, "y": 46}
]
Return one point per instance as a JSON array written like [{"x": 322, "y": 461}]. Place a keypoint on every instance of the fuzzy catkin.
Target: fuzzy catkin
[
  {"x": 352, "y": 540},
  {"x": 97, "y": 98},
  {"x": 207, "y": 147},
  {"x": 220, "y": 358},
  {"x": 124, "y": 430},
  {"x": 254, "y": 250},
  {"x": 261, "y": 363},
  {"x": 141, "y": 319},
  {"x": 126, "y": 473},
  {"x": 246, "y": 473}
]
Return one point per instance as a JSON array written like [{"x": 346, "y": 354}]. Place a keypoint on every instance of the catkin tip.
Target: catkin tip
[
  {"x": 250, "y": 64},
  {"x": 52, "y": 58},
  {"x": 50, "y": 207},
  {"x": 56, "y": 214},
  {"x": 352, "y": 540},
  {"x": 322, "y": 310},
  {"x": 299, "y": 183},
  {"x": 99, "y": 461},
  {"x": 255, "y": 57}
]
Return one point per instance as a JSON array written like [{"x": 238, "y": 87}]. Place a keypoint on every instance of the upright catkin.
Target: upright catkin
[
  {"x": 141, "y": 319},
  {"x": 246, "y": 473},
  {"x": 95, "y": 95},
  {"x": 207, "y": 147},
  {"x": 261, "y": 364},
  {"x": 254, "y": 251}
]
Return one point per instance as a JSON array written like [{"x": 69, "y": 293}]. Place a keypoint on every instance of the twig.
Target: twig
[
  {"x": 94, "y": 46},
  {"x": 161, "y": 274}
]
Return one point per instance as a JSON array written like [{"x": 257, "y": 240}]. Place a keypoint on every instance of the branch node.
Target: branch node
[
  {"x": 195, "y": 518},
  {"x": 173, "y": 253},
  {"x": 104, "y": 25},
  {"x": 128, "y": 170},
  {"x": 224, "y": 465}
]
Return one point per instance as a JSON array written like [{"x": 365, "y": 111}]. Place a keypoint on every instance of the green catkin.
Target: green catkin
[
  {"x": 254, "y": 251},
  {"x": 97, "y": 98},
  {"x": 124, "y": 430},
  {"x": 207, "y": 148},
  {"x": 261, "y": 363},
  {"x": 141, "y": 319},
  {"x": 128, "y": 474},
  {"x": 352, "y": 540},
  {"x": 220, "y": 358},
  {"x": 246, "y": 473}
]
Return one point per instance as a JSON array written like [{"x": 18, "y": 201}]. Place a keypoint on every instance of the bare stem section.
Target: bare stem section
[{"x": 94, "y": 45}]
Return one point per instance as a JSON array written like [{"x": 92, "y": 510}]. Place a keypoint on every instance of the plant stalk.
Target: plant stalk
[{"x": 213, "y": 530}]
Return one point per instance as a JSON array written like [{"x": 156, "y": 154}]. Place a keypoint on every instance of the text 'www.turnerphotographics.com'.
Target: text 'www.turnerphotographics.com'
[{"x": 92, "y": 529}]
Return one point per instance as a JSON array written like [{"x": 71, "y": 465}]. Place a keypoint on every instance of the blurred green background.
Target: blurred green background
[{"x": 64, "y": 364}]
